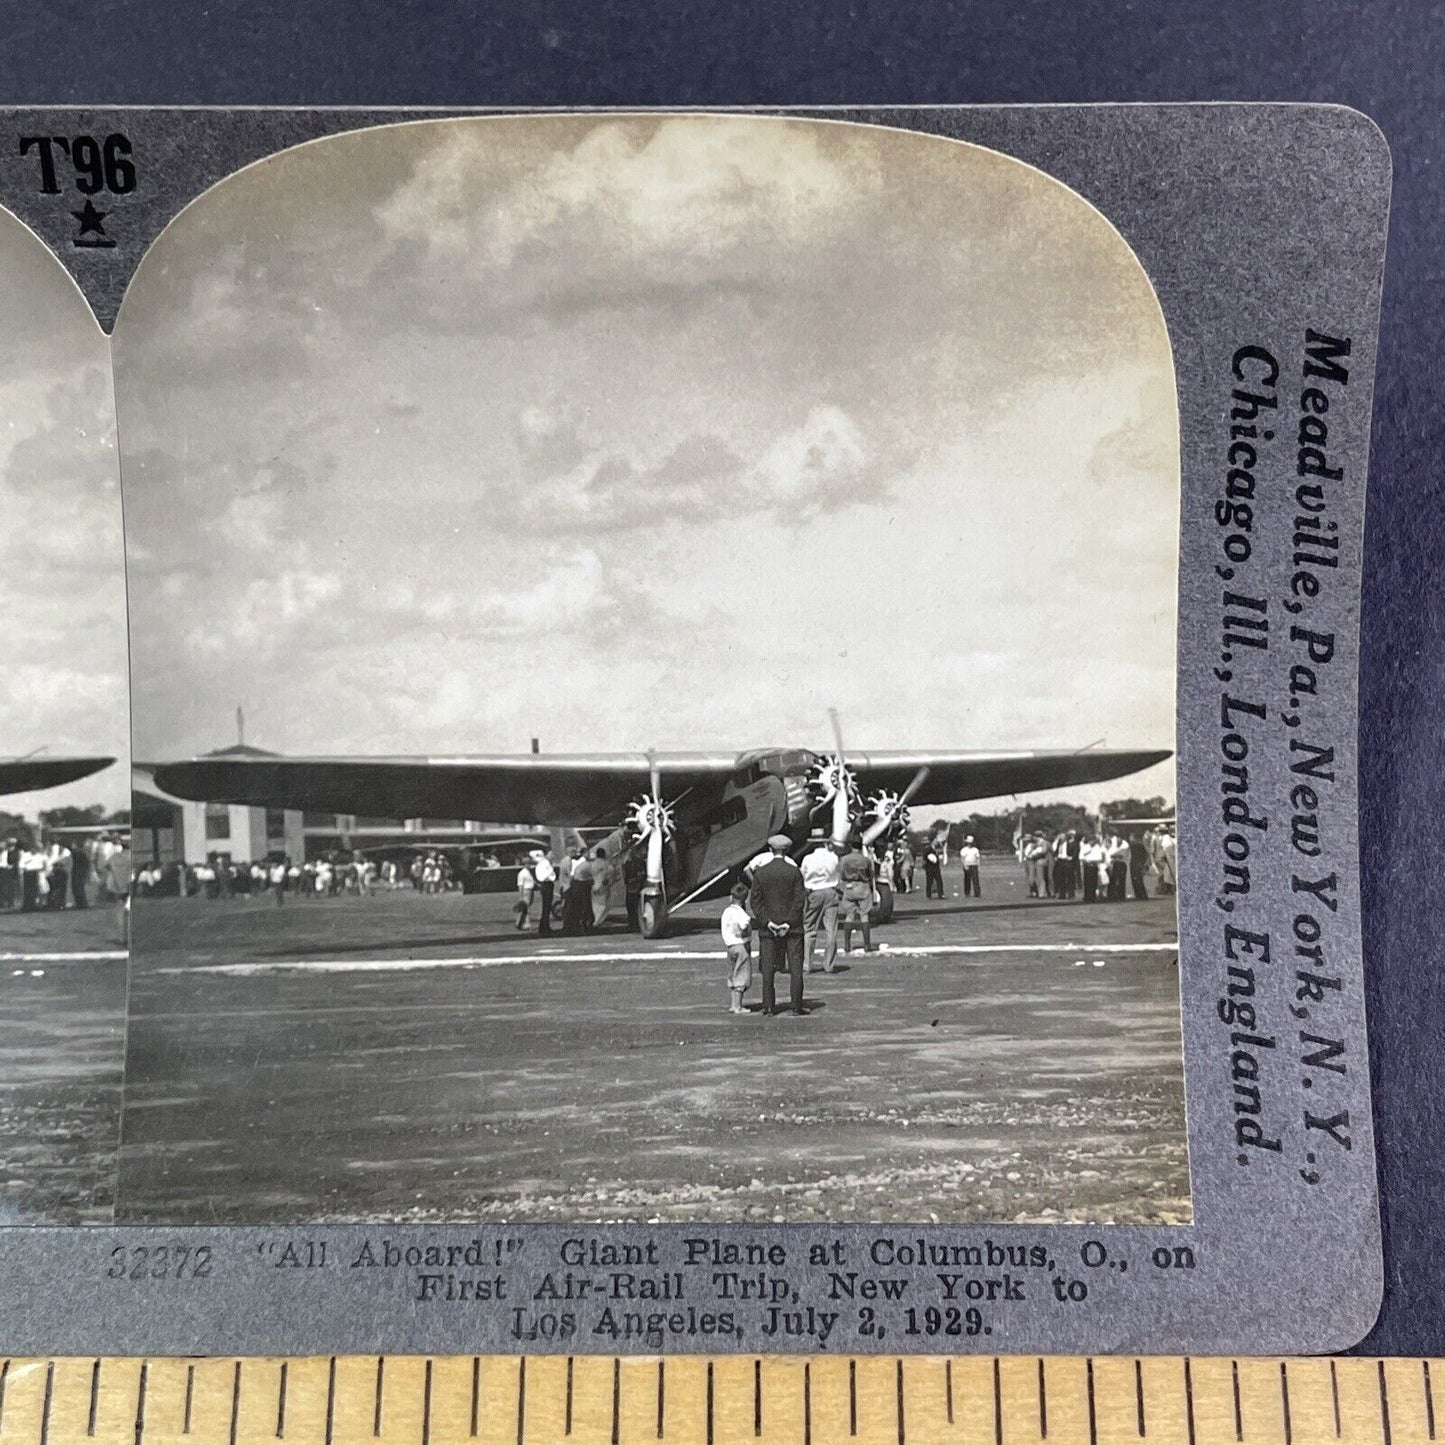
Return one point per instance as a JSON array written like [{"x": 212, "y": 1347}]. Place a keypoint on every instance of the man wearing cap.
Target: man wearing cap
[
  {"x": 820, "y": 912},
  {"x": 776, "y": 901}
]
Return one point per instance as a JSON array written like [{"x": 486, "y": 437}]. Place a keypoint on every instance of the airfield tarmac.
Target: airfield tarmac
[
  {"x": 62, "y": 997},
  {"x": 415, "y": 1058}
]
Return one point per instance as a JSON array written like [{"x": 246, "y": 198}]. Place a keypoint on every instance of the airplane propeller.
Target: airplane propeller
[
  {"x": 652, "y": 820},
  {"x": 837, "y": 783},
  {"x": 889, "y": 809}
]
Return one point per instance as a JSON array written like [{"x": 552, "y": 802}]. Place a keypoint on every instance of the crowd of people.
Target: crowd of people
[
  {"x": 282, "y": 877},
  {"x": 1097, "y": 867},
  {"x": 795, "y": 909},
  {"x": 577, "y": 893},
  {"x": 794, "y": 906},
  {"x": 59, "y": 875}
]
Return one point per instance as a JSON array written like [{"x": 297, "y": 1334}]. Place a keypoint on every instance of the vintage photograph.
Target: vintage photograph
[
  {"x": 64, "y": 744},
  {"x": 653, "y": 644}
]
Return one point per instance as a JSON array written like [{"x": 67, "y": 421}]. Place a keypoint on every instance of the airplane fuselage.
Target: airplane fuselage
[{"x": 719, "y": 830}]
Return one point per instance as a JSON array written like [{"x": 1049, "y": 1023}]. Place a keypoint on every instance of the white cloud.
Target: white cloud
[
  {"x": 571, "y": 486},
  {"x": 807, "y": 466},
  {"x": 252, "y": 520},
  {"x": 267, "y": 615},
  {"x": 63, "y": 678},
  {"x": 675, "y": 189},
  {"x": 562, "y": 405}
]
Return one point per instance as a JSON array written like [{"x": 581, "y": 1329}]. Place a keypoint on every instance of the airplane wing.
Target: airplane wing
[
  {"x": 561, "y": 790},
  {"x": 24, "y": 775},
  {"x": 550, "y": 790},
  {"x": 958, "y": 777}
]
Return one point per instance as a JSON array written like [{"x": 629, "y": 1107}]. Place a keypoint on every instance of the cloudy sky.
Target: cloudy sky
[
  {"x": 63, "y": 642},
  {"x": 631, "y": 432}
]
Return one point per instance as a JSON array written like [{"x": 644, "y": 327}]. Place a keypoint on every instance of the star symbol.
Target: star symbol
[{"x": 90, "y": 219}]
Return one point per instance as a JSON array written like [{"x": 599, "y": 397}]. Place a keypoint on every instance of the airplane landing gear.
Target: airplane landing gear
[
  {"x": 652, "y": 913},
  {"x": 882, "y": 911}
]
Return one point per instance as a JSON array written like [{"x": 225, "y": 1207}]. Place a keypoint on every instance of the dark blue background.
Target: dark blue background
[{"x": 1388, "y": 59}]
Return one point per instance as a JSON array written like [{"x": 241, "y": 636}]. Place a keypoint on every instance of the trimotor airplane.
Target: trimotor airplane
[
  {"x": 30, "y": 774},
  {"x": 703, "y": 816}
]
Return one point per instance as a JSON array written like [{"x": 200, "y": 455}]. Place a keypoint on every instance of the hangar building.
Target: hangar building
[{"x": 166, "y": 829}]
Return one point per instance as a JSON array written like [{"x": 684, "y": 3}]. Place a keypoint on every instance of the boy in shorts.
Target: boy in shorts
[{"x": 737, "y": 932}]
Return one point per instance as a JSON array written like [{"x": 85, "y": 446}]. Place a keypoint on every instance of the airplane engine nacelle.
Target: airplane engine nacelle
[{"x": 801, "y": 801}]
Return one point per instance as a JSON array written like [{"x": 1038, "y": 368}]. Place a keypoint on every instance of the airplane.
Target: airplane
[
  {"x": 703, "y": 816},
  {"x": 31, "y": 773}
]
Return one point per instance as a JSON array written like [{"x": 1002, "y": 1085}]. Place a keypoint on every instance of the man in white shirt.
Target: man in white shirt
[
  {"x": 1091, "y": 860},
  {"x": 32, "y": 879},
  {"x": 1164, "y": 854},
  {"x": 970, "y": 857},
  {"x": 545, "y": 872},
  {"x": 820, "y": 912}
]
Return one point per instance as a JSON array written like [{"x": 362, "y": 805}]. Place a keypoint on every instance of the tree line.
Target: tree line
[{"x": 994, "y": 832}]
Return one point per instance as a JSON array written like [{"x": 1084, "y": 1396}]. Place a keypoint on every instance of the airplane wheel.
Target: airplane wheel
[
  {"x": 883, "y": 909},
  {"x": 652, "y": 913}
]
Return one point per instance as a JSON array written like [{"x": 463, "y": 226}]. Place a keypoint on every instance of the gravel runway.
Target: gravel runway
[
  {"x": 62, "y": 999},
  {"x": 409, "y": 1058}
]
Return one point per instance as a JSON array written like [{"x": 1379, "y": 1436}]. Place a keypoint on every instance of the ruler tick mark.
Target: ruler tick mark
[
  {"x": 1384, "y": 1405},
  {"x": 1043, "y": 1403},
  {"x": 1189, "y": 1398},
  {"x": 852, "y": 1397},
  {"x": 757, "y": 1397},
  {"x": 94, "y": 1397},
  {"x": 1429, "y": 1400},
  {"x": 281, "y": 1404},
  {"x": 380, "y": 1376},
  {"x": 661, "y": 1395},
  {"x": 330, "y": 1399},
  {"x": 426, "y": 1405},
  {"x": 997, "y": 1404},
  {"x": 235, "y": 1400},
  {"x": 617, "y": 1398},
  {"x": 899, "y": 1378},
  {"x": 4, "y": 1372},
  {"x": 1284, "y": 1403},
  {"x": 1093, "y": 1412},
  {"x": 49, "y": 1396},
  {"x": 807, "y": 1404},
  {"x": 1238, "y": 1406},
  {"x": 476, "y": 1391},
  {"x": 140, "y": 1403},
  {"x": 190, "y": 1399},
  {"x": 1335, "y": 1395},
  {"x": 709, "y": 1404},
  {"x": 521, "y": 1397},
  {"x": 1139, "y": 1398},
  {"x": 567, "y": 1408}
]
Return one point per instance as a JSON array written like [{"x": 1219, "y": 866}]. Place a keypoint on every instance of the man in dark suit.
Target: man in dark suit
[
  {"x": 80, "y": 877},
  {"x": 10, "y": 873},
  {"x": 776, "y": 902}
]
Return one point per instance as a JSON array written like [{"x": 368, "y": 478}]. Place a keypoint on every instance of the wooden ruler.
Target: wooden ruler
[{"x": 733, "y": 1400}]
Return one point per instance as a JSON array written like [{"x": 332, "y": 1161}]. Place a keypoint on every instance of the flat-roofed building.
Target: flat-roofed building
[{"x": 167, "y": 829}]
